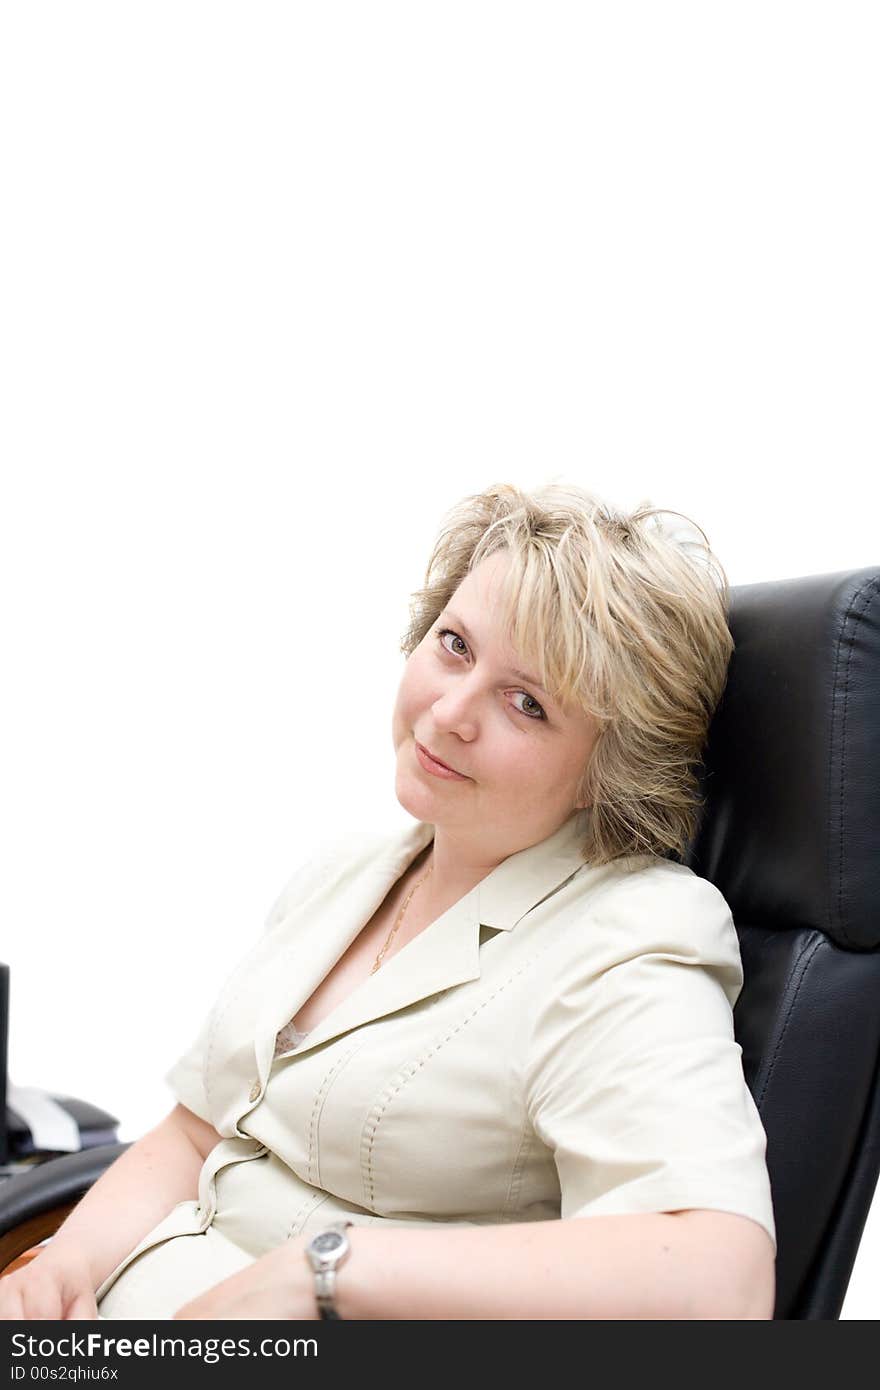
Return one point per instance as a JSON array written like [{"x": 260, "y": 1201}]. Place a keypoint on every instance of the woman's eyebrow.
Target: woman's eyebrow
[{"x": 520, "y": 675}]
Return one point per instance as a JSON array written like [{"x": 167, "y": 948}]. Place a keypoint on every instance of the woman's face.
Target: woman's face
[{"x": 522, "y": 756}]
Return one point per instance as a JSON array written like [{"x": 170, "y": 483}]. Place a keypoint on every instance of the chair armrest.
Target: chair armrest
[{"x": 53, "y": 1184}]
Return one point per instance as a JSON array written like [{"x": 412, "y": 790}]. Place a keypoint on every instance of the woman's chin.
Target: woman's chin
[
  {"x": 415, "y": 796},
  {"x": 412, "y": 799}
]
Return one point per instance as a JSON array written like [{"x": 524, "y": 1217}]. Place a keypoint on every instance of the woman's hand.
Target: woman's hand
[
  {"x": 278, "y": 1285},
  {"x": 53, "y": 1286}
]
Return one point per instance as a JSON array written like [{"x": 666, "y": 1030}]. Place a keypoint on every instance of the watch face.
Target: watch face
[{"x": 327, "y": 1241}]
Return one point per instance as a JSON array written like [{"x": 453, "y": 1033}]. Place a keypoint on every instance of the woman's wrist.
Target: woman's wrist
[
  {"x": 61, "y": 1249},
  {"x": 304, "y": 1276},
  {"x": 302, "y": 1280},
  {"x": 350, "y": 1273}
]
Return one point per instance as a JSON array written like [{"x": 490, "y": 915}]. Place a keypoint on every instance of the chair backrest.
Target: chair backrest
[
  {"x": 789, "y": 833},
  {"x": 4, "y": 1039}
]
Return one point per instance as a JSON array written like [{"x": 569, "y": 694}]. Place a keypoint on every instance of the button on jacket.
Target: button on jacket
[{"x": 559, "y": 1043}]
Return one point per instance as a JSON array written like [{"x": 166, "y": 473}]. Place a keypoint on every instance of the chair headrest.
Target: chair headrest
[{"x": 790, "y": 827}]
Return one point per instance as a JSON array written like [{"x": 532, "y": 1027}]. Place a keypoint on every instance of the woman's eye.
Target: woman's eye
[
  {"x": 533, "y": 702},
  {"x": 530, "y": 699},
  {"x": 447, "y": 632}
]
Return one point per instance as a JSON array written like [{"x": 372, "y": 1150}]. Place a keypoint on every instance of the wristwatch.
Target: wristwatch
[{"x": 325, "y": 1253}]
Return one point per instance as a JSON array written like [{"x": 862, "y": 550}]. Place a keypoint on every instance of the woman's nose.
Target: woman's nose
[{"x": 454, "y": 711}]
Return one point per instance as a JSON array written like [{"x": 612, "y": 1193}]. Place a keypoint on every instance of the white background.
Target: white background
[{"x": 281, "y": 283}]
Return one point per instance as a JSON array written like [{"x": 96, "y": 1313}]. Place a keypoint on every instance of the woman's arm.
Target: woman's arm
[
  {"x": 136, "y": 1192},
  {"x": 693, "y": 1264},
  {"x": 688, "y": 1264}
]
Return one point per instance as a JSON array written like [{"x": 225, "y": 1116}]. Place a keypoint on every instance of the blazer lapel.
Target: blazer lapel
[{"x": 445, "y": 954}]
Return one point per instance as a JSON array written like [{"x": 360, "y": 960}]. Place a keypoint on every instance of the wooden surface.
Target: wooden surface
[{"x": 18, "y": 1246}]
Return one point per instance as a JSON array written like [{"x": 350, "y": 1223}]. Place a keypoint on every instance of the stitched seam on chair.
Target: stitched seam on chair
[
  {"x": 802, "y": 965},
  {"x": 317, "y": 1107},
  {"x": 849, "y": 630},
  {"x": 372, "y": 1126}
]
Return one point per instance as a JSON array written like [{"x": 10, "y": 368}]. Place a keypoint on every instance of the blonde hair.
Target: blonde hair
[{"x": 625, "y": 619}]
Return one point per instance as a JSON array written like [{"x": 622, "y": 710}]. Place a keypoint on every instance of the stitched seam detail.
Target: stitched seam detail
[
  {"x": 243, "y": 970},
  {"x": 317, "y": 1107},
  {"x": 212, "y": 1032},
  {"x": 372, "y": 1125},
  {"x": 511, "y": 1202},
  {"x": 801, "y": 966},
  {"x": 309, "y": 1205},
  {"x": 848, "y": 636}
]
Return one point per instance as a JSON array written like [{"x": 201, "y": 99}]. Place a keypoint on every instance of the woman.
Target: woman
[{"x": 516, "y": 1010}]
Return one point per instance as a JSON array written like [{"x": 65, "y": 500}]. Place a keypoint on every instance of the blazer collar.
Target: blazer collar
[
  {"x": 514, "y": 886},
  {"x": 295, "y": 956},
  {"x": 445, "y": 954}
]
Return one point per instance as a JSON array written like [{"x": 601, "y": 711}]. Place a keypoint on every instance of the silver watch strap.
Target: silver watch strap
[
  {"x": 325, "y": 1290},
  {"x": 325, "y": 1279}
]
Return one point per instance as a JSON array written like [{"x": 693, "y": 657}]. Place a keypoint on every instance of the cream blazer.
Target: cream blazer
[{"x": 559, "y": 1043}]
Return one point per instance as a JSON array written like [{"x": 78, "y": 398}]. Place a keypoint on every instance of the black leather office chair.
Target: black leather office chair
[{"x": 789, "y": 833}]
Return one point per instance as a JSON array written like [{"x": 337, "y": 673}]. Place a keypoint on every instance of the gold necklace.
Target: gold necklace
[{"x": 400, "y": 918}]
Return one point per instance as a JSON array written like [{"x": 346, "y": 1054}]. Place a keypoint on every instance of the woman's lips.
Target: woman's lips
[{"x": 437, "y": 769}]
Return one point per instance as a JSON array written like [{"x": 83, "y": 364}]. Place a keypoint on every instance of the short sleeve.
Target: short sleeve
[
  {"x": 635, "y": 1079},
  {"x": 186, "y": 1078}
]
